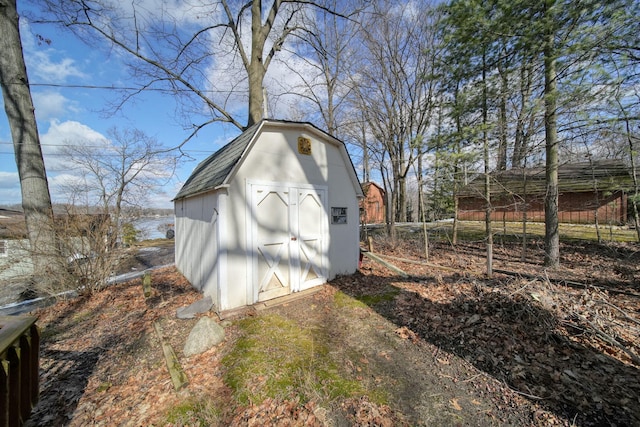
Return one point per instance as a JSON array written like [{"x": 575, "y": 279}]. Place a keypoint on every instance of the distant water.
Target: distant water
[{"x": 153, "y": 227}]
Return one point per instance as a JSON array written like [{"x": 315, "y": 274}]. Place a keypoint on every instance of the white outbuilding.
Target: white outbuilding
[{"x": 275, "y": 211}]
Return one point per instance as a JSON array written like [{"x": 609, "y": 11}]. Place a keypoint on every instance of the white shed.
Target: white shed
[{"x": 275, "y": 211}]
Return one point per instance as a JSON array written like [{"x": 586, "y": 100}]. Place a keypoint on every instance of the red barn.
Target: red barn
[
  {"x": 584, "y": 189},
  {"x": 372, "y": 207}
]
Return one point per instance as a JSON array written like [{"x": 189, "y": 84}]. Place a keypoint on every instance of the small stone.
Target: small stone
[
  {"x": 204, "y": 335},
  {"x": 200, "y": 306}
]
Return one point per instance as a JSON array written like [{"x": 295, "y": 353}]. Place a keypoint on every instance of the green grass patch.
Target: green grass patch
[
  {"x": 391, "y": 292},
  {"x": 154, "y": 243},
  {"x": 344, "y": 301},
  {"x": 277, "y": 358},
  {"x": 511, "y": 231}
]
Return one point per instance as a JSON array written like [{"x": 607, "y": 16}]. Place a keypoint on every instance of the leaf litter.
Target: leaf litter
[{"x": 446, "y": 346}]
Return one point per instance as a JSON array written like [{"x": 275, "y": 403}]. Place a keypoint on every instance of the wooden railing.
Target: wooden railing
[{"x": 19, "y": 357}]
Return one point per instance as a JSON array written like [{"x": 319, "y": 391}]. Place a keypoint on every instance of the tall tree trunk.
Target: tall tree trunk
[
  {"x": 456, "y": 170},
  {"x": 36, "y": 200},
  {"x": 421, "y": 214},
  {"x": 502, "y": 121},
  {"x": 401, "y": 213},
  {"x": 389, "y": 192},
  {"x": 521, "y": 140},
  {"x": 525, "y": 209},
  {"x": 596, "y": 200},
  {"x": 552, "y": 232},
  {"x": 422, "y": 217},
  {"x": 365, "y": 157},
  {"x": 256, "y": 69},
  {"x": 487, "y": 180}
]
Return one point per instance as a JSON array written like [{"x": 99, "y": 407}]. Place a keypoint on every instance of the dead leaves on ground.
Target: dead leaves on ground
[
  {"x": 100, "y": 364},
  {"x": 572, "y": 349},
  {"x": 568, "y": 350},
  {"x": 272, "y": 412}
]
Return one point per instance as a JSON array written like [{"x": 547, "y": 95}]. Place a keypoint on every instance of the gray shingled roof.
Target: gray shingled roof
[
  {"x": 609, "y": 175},
  {"x": 213, "y": 171}
]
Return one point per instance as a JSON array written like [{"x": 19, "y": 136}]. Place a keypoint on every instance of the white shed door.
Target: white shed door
[
  {"x": 312, "y": 241},
  {"x": 289, "y": 239}
]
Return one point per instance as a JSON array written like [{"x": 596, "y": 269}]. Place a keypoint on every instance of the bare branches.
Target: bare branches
[
  {"x": 178, "y": 51},
  {"x": 232, "y": 24}
]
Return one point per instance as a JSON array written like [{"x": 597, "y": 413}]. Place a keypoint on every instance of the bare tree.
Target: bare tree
[
  {"x": 395, "y": 88},
  {"x": 327, "y": 48},
  {"x": 113, "y": 178},
  {"x": 215, "y": 54},
  {"x": 120, "y": 171},
  {"x": 36, "y": 200}
]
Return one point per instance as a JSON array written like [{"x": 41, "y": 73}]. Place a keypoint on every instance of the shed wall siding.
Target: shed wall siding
[
  {"x": 236, "y": 247},
  {"x": 344, "y": 249},
  {"x": 196, "y": 242}
]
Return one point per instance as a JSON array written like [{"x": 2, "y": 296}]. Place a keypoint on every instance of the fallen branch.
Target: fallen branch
[
  {"x": 629, "y": 318},
  {"x": 608, "y": 338},
  {"x": 565, "y": 282},
  {"x": 522, "y": 288},
  {"x": 427, "y": 264},
  {"x": 385, "y": 263},
  {"x": 178, "y": 377},
  {"x": 530, "y": 396}
]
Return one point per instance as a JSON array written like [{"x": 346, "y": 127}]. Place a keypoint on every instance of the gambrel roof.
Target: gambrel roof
[
  {"x": 366, "y": 185},
  {"x": 213, "y": 170},
  {"x": 216, "y": 170}
]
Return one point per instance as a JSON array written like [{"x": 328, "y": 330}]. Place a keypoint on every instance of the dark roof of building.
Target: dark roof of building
[
  {"x": 605, "y": 175},
  {"x": 366, "y": 185},
  {"x": 213, "y": 170},
  {"x": 216, "y": 169}
]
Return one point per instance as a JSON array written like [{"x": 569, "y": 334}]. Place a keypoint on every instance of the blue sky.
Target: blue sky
[{"x": 67, "y": 114}]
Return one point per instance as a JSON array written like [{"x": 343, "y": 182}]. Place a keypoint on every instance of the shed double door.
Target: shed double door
[{"x": 289, "y": 226}]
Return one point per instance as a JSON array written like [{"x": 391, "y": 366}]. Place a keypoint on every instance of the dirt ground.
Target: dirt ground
[{"x": 446, "y": 344}]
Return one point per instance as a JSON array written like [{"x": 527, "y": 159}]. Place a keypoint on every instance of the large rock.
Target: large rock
[
  {"x": 198, "y": 307},
  {"x": 204, "y": 335}
]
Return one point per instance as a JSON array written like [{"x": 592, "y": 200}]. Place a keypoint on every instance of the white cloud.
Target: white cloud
[
  {"x": 70, "y": 132},
  {"x": 285, "y": 86},
  {"x": 44, "y": 63},
  {"x": 51, "y": 104},
  {"x": 62, "y": 185},
  {"x": 65, "y": 133},
  {"x": 41, "y": 65}
]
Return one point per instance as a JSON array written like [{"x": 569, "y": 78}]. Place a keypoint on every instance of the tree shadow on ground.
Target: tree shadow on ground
[
  {"x": 86, "y": 334},
  {"x": 64, "y": 374},
  {"x": 514, "y": 339}
]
